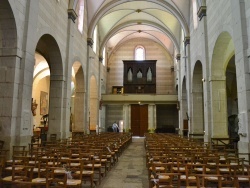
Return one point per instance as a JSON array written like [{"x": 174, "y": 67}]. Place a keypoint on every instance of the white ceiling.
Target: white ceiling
[{"x": 159, "y": 20}]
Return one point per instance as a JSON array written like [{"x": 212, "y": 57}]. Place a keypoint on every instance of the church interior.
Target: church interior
[{"x": 166, "y": 71}]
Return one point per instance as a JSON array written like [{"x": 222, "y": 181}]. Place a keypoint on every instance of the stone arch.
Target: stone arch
[
  {"x": 48, "y": 47},
  {"x": 222, "y": 52},
  {"x": 93, "y": 103},
  {"x": 197, "y": 100},
  {"x": 78, "y": 98},
  {"x": 9, "y": 70}
]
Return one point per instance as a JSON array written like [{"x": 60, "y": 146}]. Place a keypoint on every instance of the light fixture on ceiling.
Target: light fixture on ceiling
[{"x": 138, "y": 10}]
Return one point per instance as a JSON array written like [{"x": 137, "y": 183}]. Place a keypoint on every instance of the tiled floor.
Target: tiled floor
[{"x": 130, "y": 171}]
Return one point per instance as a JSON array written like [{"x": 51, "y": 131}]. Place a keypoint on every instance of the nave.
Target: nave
[
  {"x": 130, "y": 171},
  {"x": 112, "y": 160}
]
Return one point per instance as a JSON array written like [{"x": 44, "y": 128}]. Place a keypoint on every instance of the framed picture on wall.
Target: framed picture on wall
[{"x": 43, "y": 103}]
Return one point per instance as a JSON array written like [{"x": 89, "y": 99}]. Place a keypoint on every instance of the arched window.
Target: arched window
[
  {"x": 104, "y": 56},
  {"x": 195, "y": 17},
  {"x": 80, "y": 11},
  {"x": 95, "y": 39},
  {"x": 139, "y": 53}
]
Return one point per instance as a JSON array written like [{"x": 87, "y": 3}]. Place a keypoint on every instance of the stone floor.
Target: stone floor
[{"x": 130, "y": 171}]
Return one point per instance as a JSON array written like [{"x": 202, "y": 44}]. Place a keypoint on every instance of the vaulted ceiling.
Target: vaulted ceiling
[{"x": 162, "y": 21}]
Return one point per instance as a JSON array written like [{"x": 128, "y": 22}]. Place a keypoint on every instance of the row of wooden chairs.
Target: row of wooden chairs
[
  {"x": 63, "y": 163},
  {"x": 176, "y": 161}
]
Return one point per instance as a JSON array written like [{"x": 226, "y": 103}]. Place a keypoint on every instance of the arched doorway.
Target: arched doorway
[
  {"x": 222, "y": 53},
  {"x": 40, "y": 96},
  {"x": 77, "y": 98},
  {"x": 49, "y": 49},
  {"x": 93, "y": 104},
  {"x": 232, "y": 99},
  {"x": 9, "y": 63},
  {"x": 197, "y": 100}
]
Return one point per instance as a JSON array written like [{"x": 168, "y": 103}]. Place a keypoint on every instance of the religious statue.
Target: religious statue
[{"x": 33, "y": 107}]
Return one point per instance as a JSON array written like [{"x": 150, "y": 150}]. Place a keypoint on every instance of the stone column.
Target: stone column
[
  {"x": 126, "y": 117},
  {"x": 242, "y": 51},
  {"x": 151, "y": 117},
  {"x": 87, "y": 96},
  {"x": 198, "y": 118},
  {"x": 189, "y": 112},
  {"x": 78, "y": 111},
  {"x": 219, "y": 108}
]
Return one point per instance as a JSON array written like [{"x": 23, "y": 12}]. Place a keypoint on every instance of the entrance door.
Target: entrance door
[{"x": 139, "y": 119}]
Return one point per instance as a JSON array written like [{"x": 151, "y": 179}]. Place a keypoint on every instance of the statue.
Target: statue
[
  {"x": 33, "y": 107},
  {"x": 149, "y": 75}
]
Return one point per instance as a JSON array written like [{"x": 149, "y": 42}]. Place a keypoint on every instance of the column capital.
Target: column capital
[
  {"x": 90, "y": 42},
  {"x": 178, "y": 57},
  {"x": 187, "y": 40},
  {"x": 72, "y": 14},
  {"x": 202, "y": 12},
  {"x": 100, "y": 59}
]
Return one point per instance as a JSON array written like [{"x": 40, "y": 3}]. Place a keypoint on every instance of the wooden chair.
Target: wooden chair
[
  {"x": 19, "y": 150},
  {"x": 55, "y": 179},
  {"x": 88, "y": 171},
  {"x": 167, "y": 180},
  {"x": 19, "y": 173},
  {"x": 75, "y": 173},
  {"x": 191, "y": 170}
]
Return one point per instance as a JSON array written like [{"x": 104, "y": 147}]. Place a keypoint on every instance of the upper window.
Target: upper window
[
  {"x": 104, "y": 56},
  {"x": 195, "y": 17},
  {"x": 80, "y": 11},
  {"x": 95, "y": 39},
  {"x": 139, "y": 53}
]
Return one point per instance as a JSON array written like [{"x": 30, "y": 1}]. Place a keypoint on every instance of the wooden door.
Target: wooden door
[{"x": 139, "y": 119}]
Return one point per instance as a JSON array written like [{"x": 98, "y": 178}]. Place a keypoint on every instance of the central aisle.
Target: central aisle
[{"x": 130, "y": 171}]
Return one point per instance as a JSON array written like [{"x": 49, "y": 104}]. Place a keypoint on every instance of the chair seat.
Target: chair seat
[
  {"x": 53, "y": 163},
  {"x": 73, "y": 182},
  {"x": 60, "y": 171},
  {"x": 74, "y": 164},
  {"x": 37, "y": 169},
  {"x": 160, "y": 168},
  {"x": 201, "y": 169},
  {"x": 85, "y": 172},
  {"x": 95, "y": 165},
  {"x": 243, "y": 178},
  {"x": 183, "y": 177},
  {"x": 213, "y": 178},
  {"x": 39, "y": 180},
  {"x": 180, "y": 168},
  {"x": 9, "y": 178},
  {"x": 163, "y": 177},
  {"x": 17, "y": 168},
  {"x": 33, "y": 162}
]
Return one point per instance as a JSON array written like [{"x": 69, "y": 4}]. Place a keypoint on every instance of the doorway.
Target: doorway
[{"x": 139, "y": 119}]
